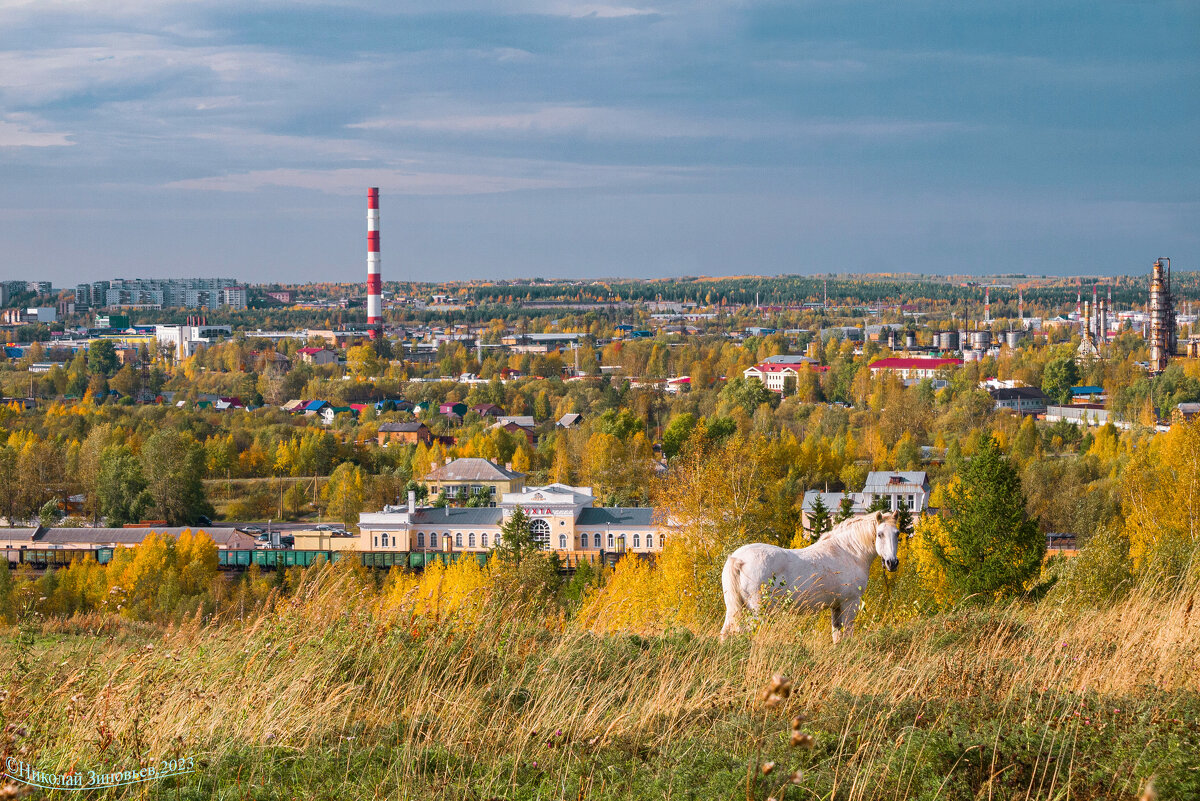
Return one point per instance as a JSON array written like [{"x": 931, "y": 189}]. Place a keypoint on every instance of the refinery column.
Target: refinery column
[{"x": 374, "y": 280}]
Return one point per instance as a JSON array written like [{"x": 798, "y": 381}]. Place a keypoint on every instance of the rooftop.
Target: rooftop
[
  {"x": 473, "y": 469},
  {"x": 132, "y": 536},
  {"x": 616, "y": 516},
  {"x": 912, "y": 362},
  {"x": 401, "y": 427}
]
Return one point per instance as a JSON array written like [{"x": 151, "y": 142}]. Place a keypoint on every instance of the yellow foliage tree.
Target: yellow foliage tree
[{"x": 1161, "y": 493}]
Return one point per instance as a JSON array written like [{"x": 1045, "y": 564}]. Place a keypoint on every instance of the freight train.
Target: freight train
[{"x": 266, "y": 559}]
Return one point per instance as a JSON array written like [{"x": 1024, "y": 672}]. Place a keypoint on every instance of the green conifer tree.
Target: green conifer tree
[
  {"x": 994, "y": 547},
  {"x": 819, "y": 520}
]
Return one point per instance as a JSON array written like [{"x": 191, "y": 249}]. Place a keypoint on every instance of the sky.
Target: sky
[{"x": 547, "y": 138}]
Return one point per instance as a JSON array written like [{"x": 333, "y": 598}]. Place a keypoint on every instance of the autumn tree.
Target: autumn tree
[
  {"x": 1161, "y": 499},
  {"x": 102, "y": 357},
  {"x": 121, "y": 487},
  {"x": 173, "y": 464},
  {"x": 1059, "y": 375},
  {"x": 345, "y": 494}
]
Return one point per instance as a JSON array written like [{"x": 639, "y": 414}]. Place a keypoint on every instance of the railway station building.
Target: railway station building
[{"x": 563, "y": 519}]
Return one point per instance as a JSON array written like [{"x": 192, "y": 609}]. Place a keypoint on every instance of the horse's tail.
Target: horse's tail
[
  {"x": 731, "y": 586},
  {"x": 731, "y": 582}
]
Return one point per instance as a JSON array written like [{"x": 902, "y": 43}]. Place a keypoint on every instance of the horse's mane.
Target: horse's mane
[{"x": 856, "y": 526}]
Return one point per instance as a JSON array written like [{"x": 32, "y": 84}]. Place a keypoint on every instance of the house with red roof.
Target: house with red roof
[
  {"x": 774, "y": 371},
  {"x": 317, "y": 355},
  {"x": 912, "y": 368}
]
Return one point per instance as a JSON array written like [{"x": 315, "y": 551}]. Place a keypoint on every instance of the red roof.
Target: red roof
[
  {"x": 771, "y": 367},
  {"x": 902, "y": 363},
  {"x": 310, "y": 351}
]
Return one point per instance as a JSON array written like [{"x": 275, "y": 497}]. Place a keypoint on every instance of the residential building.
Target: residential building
[
  {"x": 833, "y": 503},
  {"x": 406, "y": 433},
  {"x": 1022, "y": 400},
  {"x": 487, "y": 410},
  {"x": 914, "y": 368},
  {"x": 284, "y": 296},
  {"x": 776, "y": 370},
  {"x": 910, "y": 486},
  {"x": 464, "y": 478},
  {"x": 570, "y": 420},
  {"x": 512, "y": 426},
  {"x": 338, "y": 339},
  {"x": 329, "y": 413},
  {"x": 166, "y": 292},
  {"x": 455, "y": 410},
  {"x": 563, "y": 519},
  {"x": 317, "y": 356},
  {"x": 234, "y": 297}
]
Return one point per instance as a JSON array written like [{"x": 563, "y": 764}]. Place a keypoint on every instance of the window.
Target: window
[
  {"x": 583, "y": 540},
  {"x": 540, "y": 530},
  {"x": 471, "y": 540},
  {"x": 420, "y": 539},
  {"x": 458, "y": 539},
  {"x": 637, "y": 540},
  {"x": 596, "y": 540},
  {"x": 562, "y": 542},
  {"x": 446, "y": 541},
  {"x": 649, "y": 540},
  {"x": 610, "y": 540},
  {"x": 376, "y": 542},
  {"x": 485, "y": 539},
  {"x": 385, "y": 540}
]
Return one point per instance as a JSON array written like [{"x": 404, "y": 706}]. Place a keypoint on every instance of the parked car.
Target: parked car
[{"x": 252, "y": 530}]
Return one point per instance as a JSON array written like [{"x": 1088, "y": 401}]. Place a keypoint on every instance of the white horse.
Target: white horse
[{"x": 831, "y": 573}]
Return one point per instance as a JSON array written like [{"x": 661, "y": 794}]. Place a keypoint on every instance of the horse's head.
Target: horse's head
[{"x": 887, "y": 540}]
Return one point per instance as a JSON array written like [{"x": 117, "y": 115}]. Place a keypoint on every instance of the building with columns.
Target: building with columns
[{"x": 562, "y": 518}]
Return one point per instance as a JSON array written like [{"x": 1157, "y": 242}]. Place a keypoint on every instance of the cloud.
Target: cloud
[
  {"x": 496, "y": 176},
  {"x": 625, "y": 123},
  {"x": 20, "y": 130},
  {"x": 580, "y": 10}
]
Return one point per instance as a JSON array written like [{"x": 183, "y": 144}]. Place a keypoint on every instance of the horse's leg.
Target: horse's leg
[
  {"x": 848, "y": 613},
  {"x": 836, "y": 620},
  {"x": 731, "y": 625}
]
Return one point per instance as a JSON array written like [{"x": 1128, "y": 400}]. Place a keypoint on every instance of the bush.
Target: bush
[{"x": 1099, "y": 575}]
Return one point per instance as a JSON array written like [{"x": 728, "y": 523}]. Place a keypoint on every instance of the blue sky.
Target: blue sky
[{"x": 519, "y": 138}]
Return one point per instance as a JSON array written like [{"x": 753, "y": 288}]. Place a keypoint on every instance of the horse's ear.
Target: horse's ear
[{"x": 878, "y": 517}]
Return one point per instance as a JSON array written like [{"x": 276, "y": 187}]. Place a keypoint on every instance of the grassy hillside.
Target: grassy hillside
[{"x": 334, "y": 696}]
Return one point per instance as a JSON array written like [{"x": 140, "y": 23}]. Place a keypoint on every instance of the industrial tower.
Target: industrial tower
[
  {"x": 374, "y": 279},
  {"x": 1162, "y": 317}
]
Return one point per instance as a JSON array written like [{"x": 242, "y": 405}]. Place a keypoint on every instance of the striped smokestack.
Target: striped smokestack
[{"x": 374, "y": 280}]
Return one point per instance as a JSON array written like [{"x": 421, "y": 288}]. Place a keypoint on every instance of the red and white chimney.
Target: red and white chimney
[{"x": 374, "y": 279}]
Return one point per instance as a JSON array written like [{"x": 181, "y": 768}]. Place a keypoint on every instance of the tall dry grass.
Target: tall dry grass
[{"x": 467, "y": 709}]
